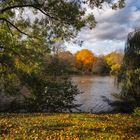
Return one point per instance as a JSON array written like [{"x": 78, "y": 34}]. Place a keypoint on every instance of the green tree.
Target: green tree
[
  {"x": 129, "y": 75},
  {"x": 57, "y": 18},
  {"x": 18, "y": 55},
  {"x": 51, "y": 89}
]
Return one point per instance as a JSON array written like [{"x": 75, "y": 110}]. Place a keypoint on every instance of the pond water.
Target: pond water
[{"x": 94, "y": 88}]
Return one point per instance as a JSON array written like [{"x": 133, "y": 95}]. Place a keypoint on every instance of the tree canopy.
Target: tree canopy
[
  {"x": 57, "y": 18},
  {"x": 129, "y": 75},
  {"x": 114, "y": 60},
  {"x": 84, "y": 60}
]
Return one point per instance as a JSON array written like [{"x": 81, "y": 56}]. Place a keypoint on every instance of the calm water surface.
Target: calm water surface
[{"x": 93, "y": 88}]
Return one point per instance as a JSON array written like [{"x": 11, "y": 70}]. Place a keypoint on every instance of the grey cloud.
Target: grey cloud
[
  {"x": 114, "y": 25},
  {"x": 106, "y": 32}
]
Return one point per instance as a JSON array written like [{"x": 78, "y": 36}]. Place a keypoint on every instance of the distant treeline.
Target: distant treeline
[{"x": 85, "y": 62}]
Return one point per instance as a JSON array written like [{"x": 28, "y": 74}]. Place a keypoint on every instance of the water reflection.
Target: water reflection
[{"x": 93, "y": 88}]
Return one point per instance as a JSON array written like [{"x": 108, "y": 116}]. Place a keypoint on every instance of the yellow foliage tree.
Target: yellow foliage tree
[
  {"x": 114, "y": 60},
  {"x": 84, "y": 60}
]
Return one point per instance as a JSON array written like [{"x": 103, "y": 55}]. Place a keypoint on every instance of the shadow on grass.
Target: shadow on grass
[
  {"x": 5, "y": 129},
  {"x": 99, "y": 129},
  {"x": 133, "y": 129},
  {"x": 50, "y": 127}
]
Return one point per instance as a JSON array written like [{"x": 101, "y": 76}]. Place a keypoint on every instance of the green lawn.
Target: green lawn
[{"x": 66, "y": 126}]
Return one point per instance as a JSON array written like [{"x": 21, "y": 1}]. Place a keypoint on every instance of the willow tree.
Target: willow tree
[{"x": 129, "y": 76}]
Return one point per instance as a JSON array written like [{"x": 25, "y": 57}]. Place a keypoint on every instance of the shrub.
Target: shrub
[
  {"x": 51, "y": 90},
  {"x": 137, "y": 111}
]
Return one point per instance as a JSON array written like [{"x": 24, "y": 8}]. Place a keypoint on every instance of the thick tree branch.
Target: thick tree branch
[
  {"x": 9, "y": 22},
  {"x": 29, "y": 5},
  {"x": 15, "y": 6},
  {"x": 35, "y": 6}
]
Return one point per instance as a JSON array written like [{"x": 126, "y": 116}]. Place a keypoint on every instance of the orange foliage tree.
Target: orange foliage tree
[{"x": 84, "y": 60}]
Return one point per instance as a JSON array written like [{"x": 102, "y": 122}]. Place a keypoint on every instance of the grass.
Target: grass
[{"x": 66, "y": 126}]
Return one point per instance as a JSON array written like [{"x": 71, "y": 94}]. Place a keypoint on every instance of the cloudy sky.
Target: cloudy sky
[{"x": 112, "y": 28}]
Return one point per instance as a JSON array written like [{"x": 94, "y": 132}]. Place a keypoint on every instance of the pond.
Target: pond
[{"x": 94, "y": 88}]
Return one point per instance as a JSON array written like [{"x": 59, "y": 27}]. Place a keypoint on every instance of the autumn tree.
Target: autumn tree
[
  {"x": 114, "y": 60},
  {"x": 100, "y": 66},
  {"x": 84, "y": 60},
  {"x": 69, "y": 59}
]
